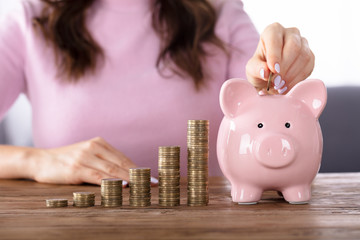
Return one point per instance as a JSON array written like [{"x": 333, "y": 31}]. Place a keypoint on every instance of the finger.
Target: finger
[
  {"x": 105, "y": 151},
  {"x": 271, "y": 91},
  {"x": 114, "y": 155},
  {"x": 119, "y": 172},
  {"x": 262, "y": 93},
  {"x": 125, "y": 184},
  {"x": 154, "y": 182},
  {"x": 89, "y": 175},
  {"x": 303, "y": 65},
  {"x": 278, "y": 82},
  {"x": 257, "y": 72},
  {"x": 300, "y": 77},
  {"x": 292, "y": 49},
  {"x": 98, "y": 163},
  {"x": 272, "y": 40}
]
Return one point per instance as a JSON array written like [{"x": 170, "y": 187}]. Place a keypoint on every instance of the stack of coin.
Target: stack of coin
[
  {"x": 111, "y": 192},
  {"x": 169, "y": 176},
  {"x": 84, "y": 199},
  {"x": 198, "y": 155},
  {"x": 140, "y": 188},
  {"x": 56, "y": 203}
]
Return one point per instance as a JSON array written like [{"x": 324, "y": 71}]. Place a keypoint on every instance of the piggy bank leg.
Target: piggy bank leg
[
  {"x": 297, "y": 194},
  {"x": 244, "y": 194}
]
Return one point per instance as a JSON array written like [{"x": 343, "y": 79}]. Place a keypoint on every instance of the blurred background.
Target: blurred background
[{"x": 333, "y": 32}]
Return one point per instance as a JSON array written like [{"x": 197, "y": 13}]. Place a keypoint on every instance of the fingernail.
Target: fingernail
[
  {"x": 277, "y": 80},
  {"x": 261, "y": 93},
  {"x": 281, "y": 91},
  {"x": 277, "y": 67},
  {"x": 154, "y": 180},
  {"x": 262, "y": 73},
  {"x": 124, "y": 183},
  {"x": 282, "y": 83}
]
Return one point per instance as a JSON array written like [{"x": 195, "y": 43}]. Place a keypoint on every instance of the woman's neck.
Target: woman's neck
[{"x": 126, "y": 5}]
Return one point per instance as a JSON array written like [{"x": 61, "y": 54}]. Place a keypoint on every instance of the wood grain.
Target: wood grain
[{"x": 333, "y": 213}]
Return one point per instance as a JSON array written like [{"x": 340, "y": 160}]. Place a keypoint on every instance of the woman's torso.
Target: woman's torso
[{"x": 127, "y": 101}]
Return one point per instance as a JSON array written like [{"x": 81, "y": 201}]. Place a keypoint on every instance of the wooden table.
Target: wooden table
[{"x": 333, "y": 213}]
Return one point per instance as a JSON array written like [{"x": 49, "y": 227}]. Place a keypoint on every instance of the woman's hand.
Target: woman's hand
[
  {"x": 284, "y": 52},
  {"x": 88, "y": 161}
]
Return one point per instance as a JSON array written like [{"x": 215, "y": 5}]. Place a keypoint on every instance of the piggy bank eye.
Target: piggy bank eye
[
  {"x": 287, "y": 125},
  {"x": 260, "y": 125}
]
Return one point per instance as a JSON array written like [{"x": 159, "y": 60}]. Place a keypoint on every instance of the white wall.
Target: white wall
[{"x": 6, "y": 5}]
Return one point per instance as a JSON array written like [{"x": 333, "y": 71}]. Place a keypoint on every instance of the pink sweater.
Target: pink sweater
[{"x": 127, "y": 101}]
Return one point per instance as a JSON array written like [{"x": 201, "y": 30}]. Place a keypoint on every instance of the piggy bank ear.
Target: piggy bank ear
[
  {"x": 313, "y": 93},
  {"x": 234, "y": 92}
]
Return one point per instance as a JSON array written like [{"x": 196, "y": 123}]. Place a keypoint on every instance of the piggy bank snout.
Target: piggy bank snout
[{"x": 274, "y": 151}]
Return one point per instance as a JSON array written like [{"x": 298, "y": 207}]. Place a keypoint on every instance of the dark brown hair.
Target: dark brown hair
[{"x": 183, "y": 25}]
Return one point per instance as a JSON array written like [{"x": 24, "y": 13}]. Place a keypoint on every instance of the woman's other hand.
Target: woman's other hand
[
  {"x": 284, "y": 52},
  {"x": 83, "y": 162}
]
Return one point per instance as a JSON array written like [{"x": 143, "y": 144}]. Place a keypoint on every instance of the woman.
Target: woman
[{"x": 110, "y": 81}]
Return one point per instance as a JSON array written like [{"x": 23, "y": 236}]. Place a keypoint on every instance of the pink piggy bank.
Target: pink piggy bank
[{"x": 271, "y": 142}]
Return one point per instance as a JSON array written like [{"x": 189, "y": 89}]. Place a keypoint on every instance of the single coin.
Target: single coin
[{"x": 269, "y": 81}]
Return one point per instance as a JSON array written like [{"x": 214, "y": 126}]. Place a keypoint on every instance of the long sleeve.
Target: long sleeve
[
  {"x": 240, "y": 34},
  {"x": 12, "y": 51}
]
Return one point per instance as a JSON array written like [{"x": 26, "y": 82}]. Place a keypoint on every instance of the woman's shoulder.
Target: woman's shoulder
[
  {"x": 230, "y": 13},
  {"x": 224, "y": 7},
  {"x": 232, "y": 19},
  {"x": 33, "y": 7}
]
